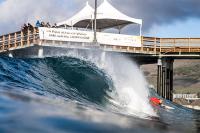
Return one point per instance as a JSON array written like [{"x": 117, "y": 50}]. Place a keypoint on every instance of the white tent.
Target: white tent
[
  {"x": 85, "y": 14},
  {"x": 107, "y": 17}
]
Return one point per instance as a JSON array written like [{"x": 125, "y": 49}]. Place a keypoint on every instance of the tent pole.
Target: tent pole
[
  {"x": 140, "y": 29},
  {"x": 72, "y": 25},
  {"x": 119, "y": 30},
  {"x": 95, "y": 23},
  {"x": 92, "y": 23}
]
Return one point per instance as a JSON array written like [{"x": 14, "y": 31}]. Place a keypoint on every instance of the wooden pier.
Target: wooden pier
[{"x": 150, "y": 45}]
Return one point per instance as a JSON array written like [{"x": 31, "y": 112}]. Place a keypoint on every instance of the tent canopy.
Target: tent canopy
[
  {"x": 85, "y": 13},
  {"x": 107, "y": 17}
]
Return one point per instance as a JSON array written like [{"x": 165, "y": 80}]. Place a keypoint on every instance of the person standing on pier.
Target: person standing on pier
[{"x": 38, "y": 23}]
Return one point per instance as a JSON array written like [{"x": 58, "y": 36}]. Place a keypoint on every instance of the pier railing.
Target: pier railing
[
  {"x": 150, "y": 45},
  {"x": 20, "y": 39},
  {"x": 154, "y": 45},
  {"x": 172, "y": 45}
]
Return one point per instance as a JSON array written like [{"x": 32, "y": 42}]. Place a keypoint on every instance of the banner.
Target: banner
[
  {"x": 58, "y": 34},
  {"x": 119, "y": 39}
]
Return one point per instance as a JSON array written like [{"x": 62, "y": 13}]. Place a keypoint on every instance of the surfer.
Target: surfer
[
  {"x": 156, "y": 101},
  {"x": 159, "y": 102}
]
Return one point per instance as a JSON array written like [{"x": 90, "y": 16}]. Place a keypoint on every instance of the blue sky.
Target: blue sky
[
  {"x": 163, "y": 20},
  {"x": 185, "y": 28}
]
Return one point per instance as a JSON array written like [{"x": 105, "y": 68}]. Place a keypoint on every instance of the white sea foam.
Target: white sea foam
[{"x": 132, "y": 92}]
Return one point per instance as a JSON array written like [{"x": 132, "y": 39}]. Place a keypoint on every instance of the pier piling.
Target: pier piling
[{"x": 165, "y": 78}]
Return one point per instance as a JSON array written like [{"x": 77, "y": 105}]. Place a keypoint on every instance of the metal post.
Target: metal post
[
  {"x": 158, "y": 80},
  {"x": 159, "y": 77},
  {"x": 95, "y": 23},
  {"x": 92, "y": 24},
  {"x": 140, "y": 29},
  {"x": 163, "y": 82}
]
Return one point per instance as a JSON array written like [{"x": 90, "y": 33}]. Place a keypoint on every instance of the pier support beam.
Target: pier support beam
[
  {"x": 40, "y": 52},
  {"x": 102, "y": 59},
  {"x": 165, "y": 78}
]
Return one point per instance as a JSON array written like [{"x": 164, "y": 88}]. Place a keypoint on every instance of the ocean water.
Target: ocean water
[{"x": 90, "y": 93}]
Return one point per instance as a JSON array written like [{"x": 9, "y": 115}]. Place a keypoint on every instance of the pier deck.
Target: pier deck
[{"x": 150, "y": 45}]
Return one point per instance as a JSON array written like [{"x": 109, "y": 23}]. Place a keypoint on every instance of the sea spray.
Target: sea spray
[
  {"x": 131, "y": 93},
  {"x": 130, "y": 85}
]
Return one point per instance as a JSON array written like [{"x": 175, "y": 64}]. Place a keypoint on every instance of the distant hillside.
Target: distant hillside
[{"x": 186, "y": 75}]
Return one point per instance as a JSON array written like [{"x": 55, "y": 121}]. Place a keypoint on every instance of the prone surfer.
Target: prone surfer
[
  {"x": 156, "y": 101},
  {"x": 159, "y": 102}
]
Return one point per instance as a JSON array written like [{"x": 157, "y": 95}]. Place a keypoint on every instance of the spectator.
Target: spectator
[
  {"x": 55, "y": 25},
  {"x": 30, "y": 27},
  {"x": 24, "y": 28},
  {"x": 38, "y": 23},
  {"x": 48, "y": 25},
  {"x": 42, "y": 24}
]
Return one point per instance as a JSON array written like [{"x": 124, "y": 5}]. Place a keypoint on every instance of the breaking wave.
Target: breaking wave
[{"x": 95, "y": 86}]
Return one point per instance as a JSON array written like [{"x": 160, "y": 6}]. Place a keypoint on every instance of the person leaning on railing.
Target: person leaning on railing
[
  {"x": 37, "y": 24},
  {"x": 43, "y": 24},
  {"x": 30, "y": 27},
  {"x": 24, "y": 28},
  {"x": 27, "y": 30},
  {"x": 54, "y": 26},
  {"x": 48, "y": 25}
]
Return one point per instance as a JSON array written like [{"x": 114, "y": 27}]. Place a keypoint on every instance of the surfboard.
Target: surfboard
[{"x": 167, "y": 107}]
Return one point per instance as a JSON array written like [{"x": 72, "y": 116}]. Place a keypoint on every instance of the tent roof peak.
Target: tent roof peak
[{"x": 107, "y": 17}]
